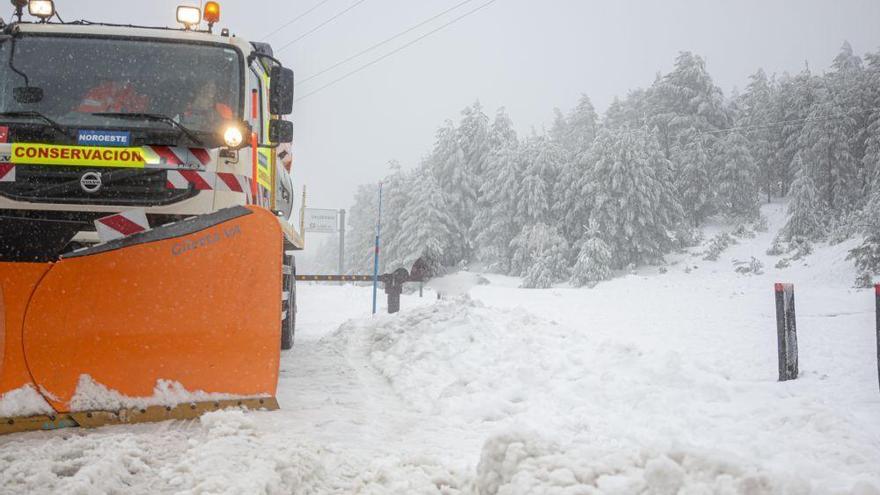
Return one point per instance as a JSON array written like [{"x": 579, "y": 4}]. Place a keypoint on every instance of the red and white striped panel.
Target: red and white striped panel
[
  {"x": 182, "y": 179},
  {"x": 176, "y": 157},
  {"x": 7, "y": 172},
  {"x": 232, "y": 182},
  {"x": 122, "y": 225},
  {"x": 208, "y": 181}
]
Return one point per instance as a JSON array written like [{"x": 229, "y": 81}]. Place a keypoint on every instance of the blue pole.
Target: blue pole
[{"x": 376, "y": 252}]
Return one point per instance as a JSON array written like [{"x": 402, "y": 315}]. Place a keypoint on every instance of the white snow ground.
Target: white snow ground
[{"x": 649, "y": 383}]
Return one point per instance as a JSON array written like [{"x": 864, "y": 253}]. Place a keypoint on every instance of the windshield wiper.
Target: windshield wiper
[
  {"x": 38, "y": 115},
  {"x": 157, "y": 117}
]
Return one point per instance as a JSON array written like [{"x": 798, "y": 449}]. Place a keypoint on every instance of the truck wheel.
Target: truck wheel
[{"x": 288, "y": 302}]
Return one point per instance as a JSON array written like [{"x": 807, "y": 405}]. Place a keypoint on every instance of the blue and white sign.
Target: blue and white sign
[{"x": 104, "y": 138}]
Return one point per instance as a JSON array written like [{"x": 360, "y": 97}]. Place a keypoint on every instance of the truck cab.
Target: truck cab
[{"x": 96, "y": 119}]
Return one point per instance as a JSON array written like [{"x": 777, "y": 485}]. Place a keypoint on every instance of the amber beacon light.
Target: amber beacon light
[{"x": 212, "y": 13}]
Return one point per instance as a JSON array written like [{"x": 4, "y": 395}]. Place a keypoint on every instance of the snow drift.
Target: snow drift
[{"x": 636, "y": 417}]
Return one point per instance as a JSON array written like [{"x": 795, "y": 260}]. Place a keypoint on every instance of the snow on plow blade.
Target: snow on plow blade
[{"x": 166, "y": 324}]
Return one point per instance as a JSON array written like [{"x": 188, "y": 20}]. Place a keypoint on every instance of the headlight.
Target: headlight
[
  {"x": 43, "y": 9},
  {"x": 233, "y": 136},
  {"x": 189, "y": 16}
]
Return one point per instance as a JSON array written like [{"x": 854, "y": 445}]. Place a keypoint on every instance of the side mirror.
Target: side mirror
[
  {"x": 27, "y": 94},
  {"x": 280, "y": 91},
  {"x": 280, "y": 131}
]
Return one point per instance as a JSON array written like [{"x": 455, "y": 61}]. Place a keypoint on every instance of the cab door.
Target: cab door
[{"x": 262, "y": 156}]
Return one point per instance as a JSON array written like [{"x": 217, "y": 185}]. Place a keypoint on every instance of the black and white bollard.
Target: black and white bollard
[
  {"x": 786, "y": 332},
  {"x": 877, "y": 315}
]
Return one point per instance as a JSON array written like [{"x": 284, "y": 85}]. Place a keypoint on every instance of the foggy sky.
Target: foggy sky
[{"x": 527, "y": 55}]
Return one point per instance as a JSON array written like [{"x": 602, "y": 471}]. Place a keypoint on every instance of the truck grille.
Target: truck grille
[{"x": 41, "y": 184}]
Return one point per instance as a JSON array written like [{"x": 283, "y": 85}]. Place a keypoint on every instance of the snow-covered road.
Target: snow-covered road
[{"x": 649, "y": 383}]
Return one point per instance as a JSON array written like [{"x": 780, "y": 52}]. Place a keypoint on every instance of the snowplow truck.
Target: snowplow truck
[{"x": 146, "y": 248}]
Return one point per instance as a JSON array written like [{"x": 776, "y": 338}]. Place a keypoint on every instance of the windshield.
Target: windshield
[{"x": 195, "y": 84}]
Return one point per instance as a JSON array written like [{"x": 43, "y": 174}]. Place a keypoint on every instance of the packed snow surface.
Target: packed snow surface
[
  {"x": 654, "y": 383},
  {"x": 23, "y": 401},
  {"x": 93, "y": 396}
]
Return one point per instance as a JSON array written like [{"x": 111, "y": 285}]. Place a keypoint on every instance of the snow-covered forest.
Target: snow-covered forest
[{"x": 597, "y": 194}]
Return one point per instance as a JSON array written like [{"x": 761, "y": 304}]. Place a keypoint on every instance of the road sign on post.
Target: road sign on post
[{"x": 321, "y": 221}]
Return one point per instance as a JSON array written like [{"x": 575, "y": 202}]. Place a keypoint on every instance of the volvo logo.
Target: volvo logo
[{"x": 90, "y": 182}]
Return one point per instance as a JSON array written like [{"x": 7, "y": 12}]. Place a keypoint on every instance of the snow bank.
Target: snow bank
[
  {"x": 490, "y": 369},
  {"x": 521, "y": 462},
  {"x": 462, "y": 359},
  {"x": 24, "y": 401},
  {"x": 93, "y": 396}
]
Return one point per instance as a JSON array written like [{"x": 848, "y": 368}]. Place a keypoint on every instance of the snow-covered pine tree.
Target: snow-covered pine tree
[
  {"x": 667, "y": 207},
  {"x": 539, "y": 252},
  {"x": 361, "y": 233},
  {"x": 502, "y": 134},
  {"x": 541, "y": 159},
  {"x": 396, "y": 190},
  {"x": 867, "y": 255},
  {"x": 570, "y": 207},
  {"x": 632, "y": 111},
  {"x": 694, "y": 182},
  {"x": 804, "y": 209},
  {"x": 458, "y": 186},
  {"x": 634, "y": 211},
  {"x": 794, "y": 103},
  {"x": 685, "y": 100},
  {"x": 871, "y": 158},
  {"x": 573, "y": 197},
  {"x": 825, "y": 144},
  {"x": 851, "y": 90},
  {"x": 576, "y": 131},
  {"x": 737, "y": 179},
  {"x": 593, "y": 262},
  {"x": 473, "y": 139},
  {"x": 495, "y": 225},
  {"x": 540, "y": 255},
  {"x": 559, "y": 130},
  {"x": 756, "y": 112},
  {"x": 538, "y": 275},
  {"x": 426, "y": 224}
]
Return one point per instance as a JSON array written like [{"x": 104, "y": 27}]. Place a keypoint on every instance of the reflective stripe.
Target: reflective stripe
[
  {"x": 122, "y": 225},
  {"x": 7, "y": 172}
]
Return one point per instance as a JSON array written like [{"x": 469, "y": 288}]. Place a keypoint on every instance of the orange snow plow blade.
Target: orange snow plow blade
[{"x": 169, "y": 323}]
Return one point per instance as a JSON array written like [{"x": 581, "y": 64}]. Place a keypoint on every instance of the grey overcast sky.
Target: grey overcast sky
[{"x": 526, "y": 55}]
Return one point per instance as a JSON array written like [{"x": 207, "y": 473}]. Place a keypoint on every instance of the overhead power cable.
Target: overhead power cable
[
  {"x": 781, "y": 123},
  {"x": 770, "y": 125},
  {"x": 288, "y": 23},
  {"x": 395, "y": 51},
  {"x": 384, "y": 42},
  {"x": 319, "y": 26}
]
